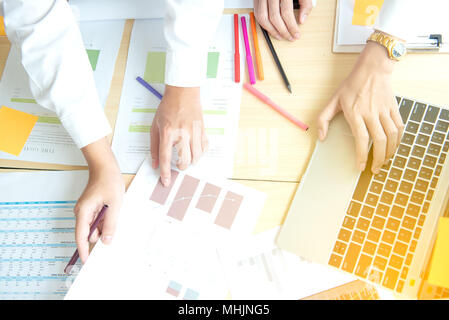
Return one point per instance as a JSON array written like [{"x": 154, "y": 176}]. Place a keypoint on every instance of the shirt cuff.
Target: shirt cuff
[
  {"x": 186, "y": 68},
  {"x": 86, "y": 128}
]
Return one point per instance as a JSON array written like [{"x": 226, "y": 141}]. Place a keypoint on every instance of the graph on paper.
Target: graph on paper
[
  {"x": 36, "y": 241},
  {"x": 221, "y": 205}
]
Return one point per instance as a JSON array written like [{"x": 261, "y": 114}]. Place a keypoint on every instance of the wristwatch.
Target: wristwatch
[{"x": 395, "y": 47}]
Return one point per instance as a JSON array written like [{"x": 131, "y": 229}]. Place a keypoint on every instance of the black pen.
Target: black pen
[{"x": 276, "y": 59}]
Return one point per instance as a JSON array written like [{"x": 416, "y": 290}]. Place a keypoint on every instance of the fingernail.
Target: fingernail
[
  {"x": 376, "y": 170},
  {"x": 362, "y": 166},
  {"x": 297, "y": 36},
  {"x": 320, "y": 134},
  {"x": 106, "y": 239},
  {"x": 303, "y": 18},
  {"x": 166, "y": 182}
]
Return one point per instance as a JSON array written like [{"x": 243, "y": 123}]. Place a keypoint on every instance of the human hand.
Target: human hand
[
  {"x": 105, "y": 186},
  {"x": 278, "y": 17},
  {"x": 178, "y": 122},
  {"x": 369, "y": 106}
]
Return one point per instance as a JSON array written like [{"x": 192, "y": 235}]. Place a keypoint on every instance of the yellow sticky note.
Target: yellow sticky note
[
  {"x": 366, "y": 12},
  {"x": 2, "y": 27},
  {"x": 439, "y": 266},
  {"x": 15, "y": 128}
]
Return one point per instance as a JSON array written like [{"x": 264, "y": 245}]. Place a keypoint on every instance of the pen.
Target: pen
[
  {"x": 249, "y": 59},
  {"x": 276, "y": 59},
  {"x": 269, "y": 102},
  {"x": 149, "y": 87},
  {"x": 256, "y": 47},
  {"x": 236, "y": 48},
  {"x": 92, "y": 229}
]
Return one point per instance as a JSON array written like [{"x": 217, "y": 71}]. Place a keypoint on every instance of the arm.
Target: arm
[
  {"x": 366, "y": 96},
  {"x": 189, "y": 28},
  {"x": 61, "y": 80}
]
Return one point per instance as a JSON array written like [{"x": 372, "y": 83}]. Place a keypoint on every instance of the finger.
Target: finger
[
  {"x": 326, "y": 116},
  {"x": 110, "y": 220},
  {"x": 95, "y": 236},
  {"x": 184, "y": 152},
  {"x": 154, "y": 146},
  {"x": 397, "y": 119},
  {"x": 84, "y": 217},
  {"x": 196, "y": 145},
  {"x": 379, "y": 142},
  {"x": 305, "y": 8},
  {"x": 261, "y": 14},
  {"x": 288, "y": 15},
  {"x": 392, "y": 134},
  {"x": 361, "y": 137},
  {"x": 165, "y": 147},
  {"x": 274, "y": 14}
]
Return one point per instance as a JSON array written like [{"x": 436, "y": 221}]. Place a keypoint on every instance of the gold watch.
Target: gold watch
[{"x": 395, "y": 47}]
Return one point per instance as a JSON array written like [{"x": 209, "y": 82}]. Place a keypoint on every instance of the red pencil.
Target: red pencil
[{"x": 236, "y": 48}]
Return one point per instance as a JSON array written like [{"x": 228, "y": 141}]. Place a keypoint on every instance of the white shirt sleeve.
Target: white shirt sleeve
[
  {"x": 55, "y": 59},
  {"x": 189, "y": 29}
]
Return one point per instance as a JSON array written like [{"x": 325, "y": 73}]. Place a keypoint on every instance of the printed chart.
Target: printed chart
[
  {"x": 220, "y": 96},
  {"x": 49, "y": 142}
]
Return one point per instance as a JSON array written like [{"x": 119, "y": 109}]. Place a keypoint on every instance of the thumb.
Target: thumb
[
  {"x": 326, "y": 116},
  {"x": 305, "y": 7},
  {"x": 110, "y": 222}
]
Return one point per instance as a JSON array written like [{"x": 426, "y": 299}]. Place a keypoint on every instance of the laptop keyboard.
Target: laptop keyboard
[{"x": 384, "y": 219}]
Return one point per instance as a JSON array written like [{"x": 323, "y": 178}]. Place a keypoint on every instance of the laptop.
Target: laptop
[{"x": 380, "y": 228}]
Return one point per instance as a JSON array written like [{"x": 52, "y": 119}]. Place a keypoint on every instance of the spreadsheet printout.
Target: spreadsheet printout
[{"x": 37, "y": 236}]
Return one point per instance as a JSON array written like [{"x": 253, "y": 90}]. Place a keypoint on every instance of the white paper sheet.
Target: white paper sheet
[
  {"x": 37, "y": 232},
  {"x": 156, "y": 256},
  {"x": 49, "y": 142},
  {"x": 256, "y": 268},
  {"x": 86, "y": 10},
  {"x": 220, "y": 97}
]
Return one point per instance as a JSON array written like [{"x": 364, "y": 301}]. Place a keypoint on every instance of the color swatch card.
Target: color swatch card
[
  {"x": 165, "y": 246},
  {"x": 15, "y": 128},
  {"x": 439, "y": 268},
  {"x": 366, "y": 12},
  {"x": 49, "y": 142},
  {"x": 220, "y": 96},
  {"x": 37, "y": 232}
]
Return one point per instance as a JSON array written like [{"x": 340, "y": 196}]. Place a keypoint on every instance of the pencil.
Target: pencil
[
  {"x": 92, "y": 229},
  {"x": 256, "y": 47},
  {"x": 276, "y": 59},
  {"x": 149, "y": 87},
  {"x": 236, "y": 48},
  {"x": 269, "y": 102}
]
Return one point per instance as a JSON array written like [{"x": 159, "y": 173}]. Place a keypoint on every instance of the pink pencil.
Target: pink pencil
[
  {"x": 268, "y": 101},
  {"x": 249, "y": 58}
]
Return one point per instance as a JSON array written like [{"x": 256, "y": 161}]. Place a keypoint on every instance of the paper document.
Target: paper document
[
  {"x": 37, "y": 235},
  {"x": 49, "y": 142},
  {"x": 256, "y": 268},
  {"x": 220, "y": 96},
  {"x": 87, "y": 10},
  {"x": 165, "y": 246}
]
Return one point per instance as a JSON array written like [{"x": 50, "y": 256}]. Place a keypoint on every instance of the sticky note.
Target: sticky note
[
  {"x": 2, "y": 27},
  {"x": 366, "y": 12},
  {"x": 15, "y": 128},
  {"x": 439, "y": 266}
]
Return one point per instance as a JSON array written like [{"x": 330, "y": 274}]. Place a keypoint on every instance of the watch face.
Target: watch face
[{"x": 398, "y": 50}]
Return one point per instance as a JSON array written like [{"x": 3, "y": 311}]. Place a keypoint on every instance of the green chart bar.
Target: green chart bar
[
  {"x": 212, "y": 64},
  {"x": 51, "y": 120},
  {"x": 155, "y": 67},
  {"x": 93, "y": 57},
  {"x": 23, "y": 100}
]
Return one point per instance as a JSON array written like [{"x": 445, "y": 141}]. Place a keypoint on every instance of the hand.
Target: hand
[
  {"x": 278, "y": 17},
  {"x": 105, "y": 186},
  {"x": 178, "y": 122},
  {"x": 369, "y": 106}
]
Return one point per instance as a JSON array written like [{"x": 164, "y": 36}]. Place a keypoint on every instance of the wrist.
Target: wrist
[
  {"x": 375, "y": 57},
  {"x": 99, "y": 156},
  {"x": 182, "y": 92}
]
